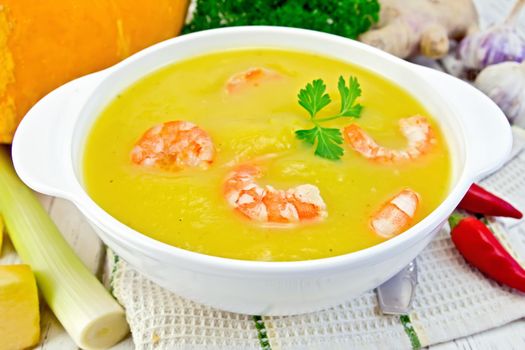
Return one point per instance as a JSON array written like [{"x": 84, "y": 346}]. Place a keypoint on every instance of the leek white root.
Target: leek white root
[{"x": 84, "y": 307}]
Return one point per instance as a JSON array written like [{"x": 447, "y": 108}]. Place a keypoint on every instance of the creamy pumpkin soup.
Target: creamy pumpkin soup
[{"x": 263, "y": 154}]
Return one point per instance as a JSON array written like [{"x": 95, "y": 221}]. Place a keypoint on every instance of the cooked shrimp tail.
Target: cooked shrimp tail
[
  {"x": 174, "y": 145},
  {"x": 416, "y": 130},
  {"x": 267, "y": 204},
  {"x": 396, "y": 215},
  {"x": 250, "y": 78}
]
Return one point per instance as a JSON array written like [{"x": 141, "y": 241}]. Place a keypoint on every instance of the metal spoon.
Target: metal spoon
[{"x": 395, "y": 295}]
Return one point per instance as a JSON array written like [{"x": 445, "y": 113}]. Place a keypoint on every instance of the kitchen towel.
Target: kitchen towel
[{"x": 452, "y": 300}]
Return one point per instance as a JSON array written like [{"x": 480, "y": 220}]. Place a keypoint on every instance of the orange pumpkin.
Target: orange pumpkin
[{"x": 44, "y": 44}]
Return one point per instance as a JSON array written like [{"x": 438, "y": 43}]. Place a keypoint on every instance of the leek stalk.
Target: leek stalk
[{"x": 82, "y": 305}]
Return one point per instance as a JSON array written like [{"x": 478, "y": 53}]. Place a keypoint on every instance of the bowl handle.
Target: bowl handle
[
  {"x": 42, "y": 143},
  {"x": 488, "y": 136}
]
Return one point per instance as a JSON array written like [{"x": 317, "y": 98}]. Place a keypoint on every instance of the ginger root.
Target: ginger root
[{"x": 411, "y": 27}]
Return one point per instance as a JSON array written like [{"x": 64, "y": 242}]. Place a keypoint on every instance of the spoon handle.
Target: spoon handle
[{"x": 395, "y": 295}]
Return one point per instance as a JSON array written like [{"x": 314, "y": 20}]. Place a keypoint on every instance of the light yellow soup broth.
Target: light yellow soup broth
[{"x": 187, "y": 209}]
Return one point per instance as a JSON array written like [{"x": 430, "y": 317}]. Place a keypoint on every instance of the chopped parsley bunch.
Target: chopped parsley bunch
[{"x": 347, "y": 18}]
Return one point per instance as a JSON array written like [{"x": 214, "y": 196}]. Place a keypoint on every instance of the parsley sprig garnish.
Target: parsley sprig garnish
[{"x": 314, "y": 98}]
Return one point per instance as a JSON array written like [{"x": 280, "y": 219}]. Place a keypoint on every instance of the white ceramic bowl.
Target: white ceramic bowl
[{"x": 48, "y": 146}]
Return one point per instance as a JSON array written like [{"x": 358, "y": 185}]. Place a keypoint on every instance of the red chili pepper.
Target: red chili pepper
[
  {"x": 480, "y": 201},
  {"x": 481, "y": 248}
]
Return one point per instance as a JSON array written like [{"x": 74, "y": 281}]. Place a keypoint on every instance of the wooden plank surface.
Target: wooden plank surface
[{"x": 509, "y": 337}]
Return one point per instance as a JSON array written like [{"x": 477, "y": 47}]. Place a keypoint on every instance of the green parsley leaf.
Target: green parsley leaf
[
  {"x": 326, "y": 139},
  {"x": 348, "y": 96},
  {"x": 313, "y": 97},
  {"x": 307, "y": 135}
]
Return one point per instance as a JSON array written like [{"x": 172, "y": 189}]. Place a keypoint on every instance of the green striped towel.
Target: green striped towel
[{"x": 452, "y": 300}]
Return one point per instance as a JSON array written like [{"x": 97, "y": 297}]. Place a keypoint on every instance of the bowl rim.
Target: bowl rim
[{"x": 126, "y": 236}]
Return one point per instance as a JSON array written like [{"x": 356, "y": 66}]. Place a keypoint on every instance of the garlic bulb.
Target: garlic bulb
[
  {"x": 499, "y": 43},
  {"x": 504, "y": 83},
  {"x": 495, "y": 45}
]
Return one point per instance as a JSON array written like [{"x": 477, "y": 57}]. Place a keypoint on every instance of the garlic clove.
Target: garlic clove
[{"x": 504, "y": 83}]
